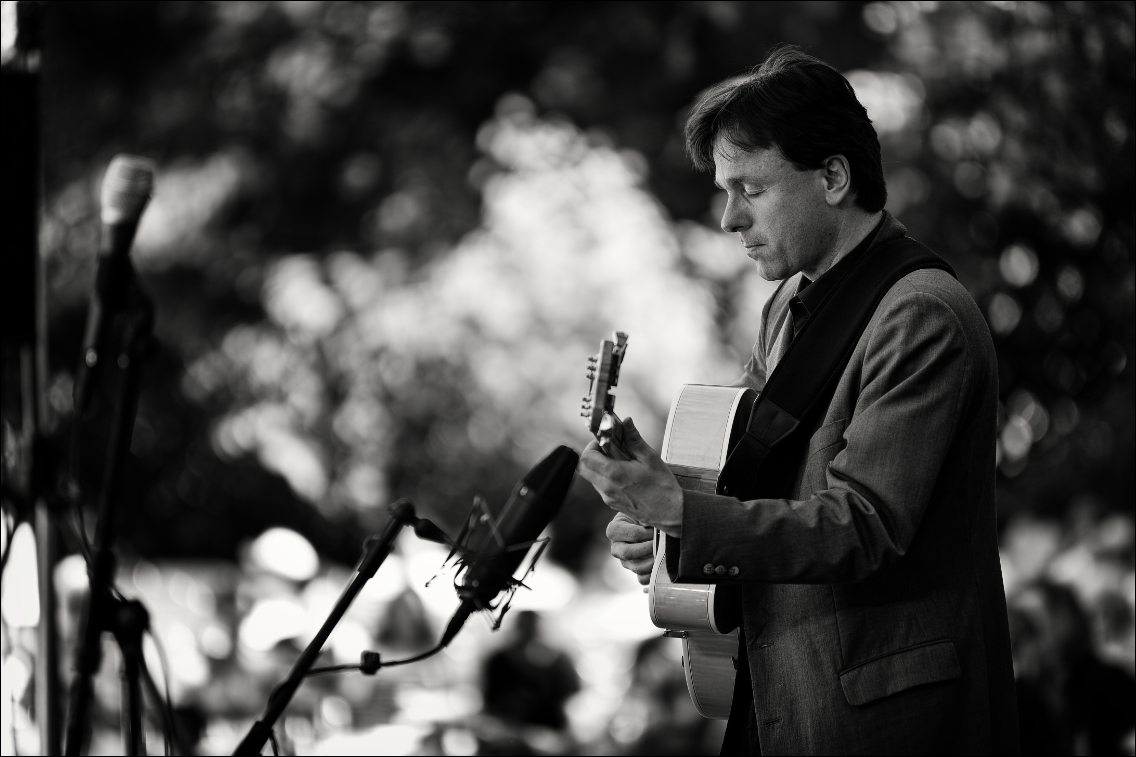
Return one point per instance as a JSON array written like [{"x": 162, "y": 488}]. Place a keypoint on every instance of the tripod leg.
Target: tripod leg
[
  {"x": 48, "y": 686},
  {"x": 130, "y": 622},
  {"x": 79, "y": 703},
  {"x": 133, "y": 736},
  {"x": 164, "y": 703}
]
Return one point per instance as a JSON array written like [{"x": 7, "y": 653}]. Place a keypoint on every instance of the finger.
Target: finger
[
  {"x": 627, "y": 530},
  {"x": 593, "y": 467},
  {"x": 644, "y": 579},
  {"x": 643, "y": 550},
  {"x": 624, "y": 551},
  {"x": 639, "y": 567},
  {"x": 628, "y": 520},
  {"x": 590, "y": 449},
  {"x": 593, "y": 459},
  {"x": 633, "y": 439}
]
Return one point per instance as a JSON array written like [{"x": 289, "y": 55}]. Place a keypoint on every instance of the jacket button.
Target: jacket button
[
  {"x": 734, "y": 570},
  {"x": 720, "y": 570},
  {"x": 707, "y": 568}
]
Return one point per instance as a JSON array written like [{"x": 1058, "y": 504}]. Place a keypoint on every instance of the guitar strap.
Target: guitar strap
[{"x": 804, "y": 381}]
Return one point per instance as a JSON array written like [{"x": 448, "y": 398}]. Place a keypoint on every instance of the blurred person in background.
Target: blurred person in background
[
  {"x": 1070, "y": 701},
  {"x": 874, "y": 615},
  {"x": 525, "y": 685},
  {"x": 404, "y": 626},
  {"x": 190, "y": 722},
  {"x": 655, "y": 716}
]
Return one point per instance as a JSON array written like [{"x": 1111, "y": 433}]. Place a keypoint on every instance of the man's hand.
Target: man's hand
[
  {"x": 643, "y": 488},
  {"x": 631, "y": 545}
]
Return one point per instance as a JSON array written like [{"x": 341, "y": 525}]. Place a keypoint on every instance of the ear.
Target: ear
[{"x": 837, "y": 177}]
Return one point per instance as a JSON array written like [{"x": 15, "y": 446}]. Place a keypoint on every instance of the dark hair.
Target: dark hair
[{"x": 799, "y": 104}]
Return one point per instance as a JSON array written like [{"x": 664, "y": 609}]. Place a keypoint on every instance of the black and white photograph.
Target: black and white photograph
[{"x": 691, "y": 377}]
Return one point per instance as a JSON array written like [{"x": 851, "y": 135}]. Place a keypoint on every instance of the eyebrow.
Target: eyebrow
[{"x": 737, "y": 181}]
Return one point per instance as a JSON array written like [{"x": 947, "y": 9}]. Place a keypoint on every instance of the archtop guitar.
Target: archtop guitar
[{"x": 703, "y": 424}]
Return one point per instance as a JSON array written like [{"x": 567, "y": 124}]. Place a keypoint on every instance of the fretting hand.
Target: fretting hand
[{"x": 642, "y": 488}]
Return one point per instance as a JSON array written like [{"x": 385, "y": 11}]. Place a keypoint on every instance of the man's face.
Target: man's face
[{"x": 778, "y": 211}]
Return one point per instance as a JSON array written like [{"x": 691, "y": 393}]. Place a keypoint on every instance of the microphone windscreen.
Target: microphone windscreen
[
  {"x": 551, "y": 478},
  {"x": 127, "y": 186}
]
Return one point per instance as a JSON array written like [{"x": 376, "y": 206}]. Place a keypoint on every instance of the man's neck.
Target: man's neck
[{"x": 849, "y": 233}]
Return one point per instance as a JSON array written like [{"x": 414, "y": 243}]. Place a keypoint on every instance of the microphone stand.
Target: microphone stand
[
  {"x": 103, "y": 610},
  {"x": 377, "y": 549}
]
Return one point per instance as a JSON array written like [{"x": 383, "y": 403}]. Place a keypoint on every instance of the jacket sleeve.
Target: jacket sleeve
[{"x": 912, "y": 383}]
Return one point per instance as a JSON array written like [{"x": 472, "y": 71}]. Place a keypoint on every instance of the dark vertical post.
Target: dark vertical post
[{"x": 24, "y": 323}]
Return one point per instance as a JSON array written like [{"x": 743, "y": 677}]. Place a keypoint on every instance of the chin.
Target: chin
[{"x": 771, "y": 271}]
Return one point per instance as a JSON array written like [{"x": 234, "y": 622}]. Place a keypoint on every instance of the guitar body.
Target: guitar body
[{"x": 704, "y": 424}]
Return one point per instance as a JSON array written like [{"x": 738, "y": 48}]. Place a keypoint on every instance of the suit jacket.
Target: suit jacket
[{"x": 873, "y": 607}]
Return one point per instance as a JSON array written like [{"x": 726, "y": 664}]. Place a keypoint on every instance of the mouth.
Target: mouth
[{"x": 752, "y": 250}]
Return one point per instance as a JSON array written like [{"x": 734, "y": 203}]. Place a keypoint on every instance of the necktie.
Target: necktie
[{"x": 788, "y": 328}]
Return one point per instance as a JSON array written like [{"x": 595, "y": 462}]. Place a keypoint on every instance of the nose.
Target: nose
[{"x": 734, "y": 218}]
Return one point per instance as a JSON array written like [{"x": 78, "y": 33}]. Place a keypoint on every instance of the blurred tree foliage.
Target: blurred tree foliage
[
  {"x": 1028, "y": 147},
  {"x": 328, "y": 166}
]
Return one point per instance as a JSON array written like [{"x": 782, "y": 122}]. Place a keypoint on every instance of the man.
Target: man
[{"x": 873, "y": 613}]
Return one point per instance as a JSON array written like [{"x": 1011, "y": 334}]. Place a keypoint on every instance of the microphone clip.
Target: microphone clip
[{"x": 483, "y": 530}]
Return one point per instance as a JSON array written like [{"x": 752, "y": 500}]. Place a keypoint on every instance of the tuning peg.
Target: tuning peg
[{"x": 593, "y": 359}]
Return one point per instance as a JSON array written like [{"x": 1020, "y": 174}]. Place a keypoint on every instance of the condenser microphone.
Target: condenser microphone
[
  {"x": 534, "y": 503},
  {"x": 126, "y": 189}
]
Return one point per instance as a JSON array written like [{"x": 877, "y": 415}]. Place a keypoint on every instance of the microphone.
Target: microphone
[
  {"x": 126, "y": 189},
  {"x": 535, "y": 502}
]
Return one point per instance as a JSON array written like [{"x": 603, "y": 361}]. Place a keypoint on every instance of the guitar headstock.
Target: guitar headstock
[{"x": 598, "y": 407}]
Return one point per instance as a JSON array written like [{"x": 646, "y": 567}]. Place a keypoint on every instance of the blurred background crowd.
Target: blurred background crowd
[{"x": 384, "y": 238}]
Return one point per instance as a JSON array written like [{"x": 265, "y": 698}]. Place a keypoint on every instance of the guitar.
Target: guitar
[{"x": 703, "y": 425}]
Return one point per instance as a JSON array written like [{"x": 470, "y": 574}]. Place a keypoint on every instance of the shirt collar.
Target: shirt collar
[{"x": 811, "y": 293}]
